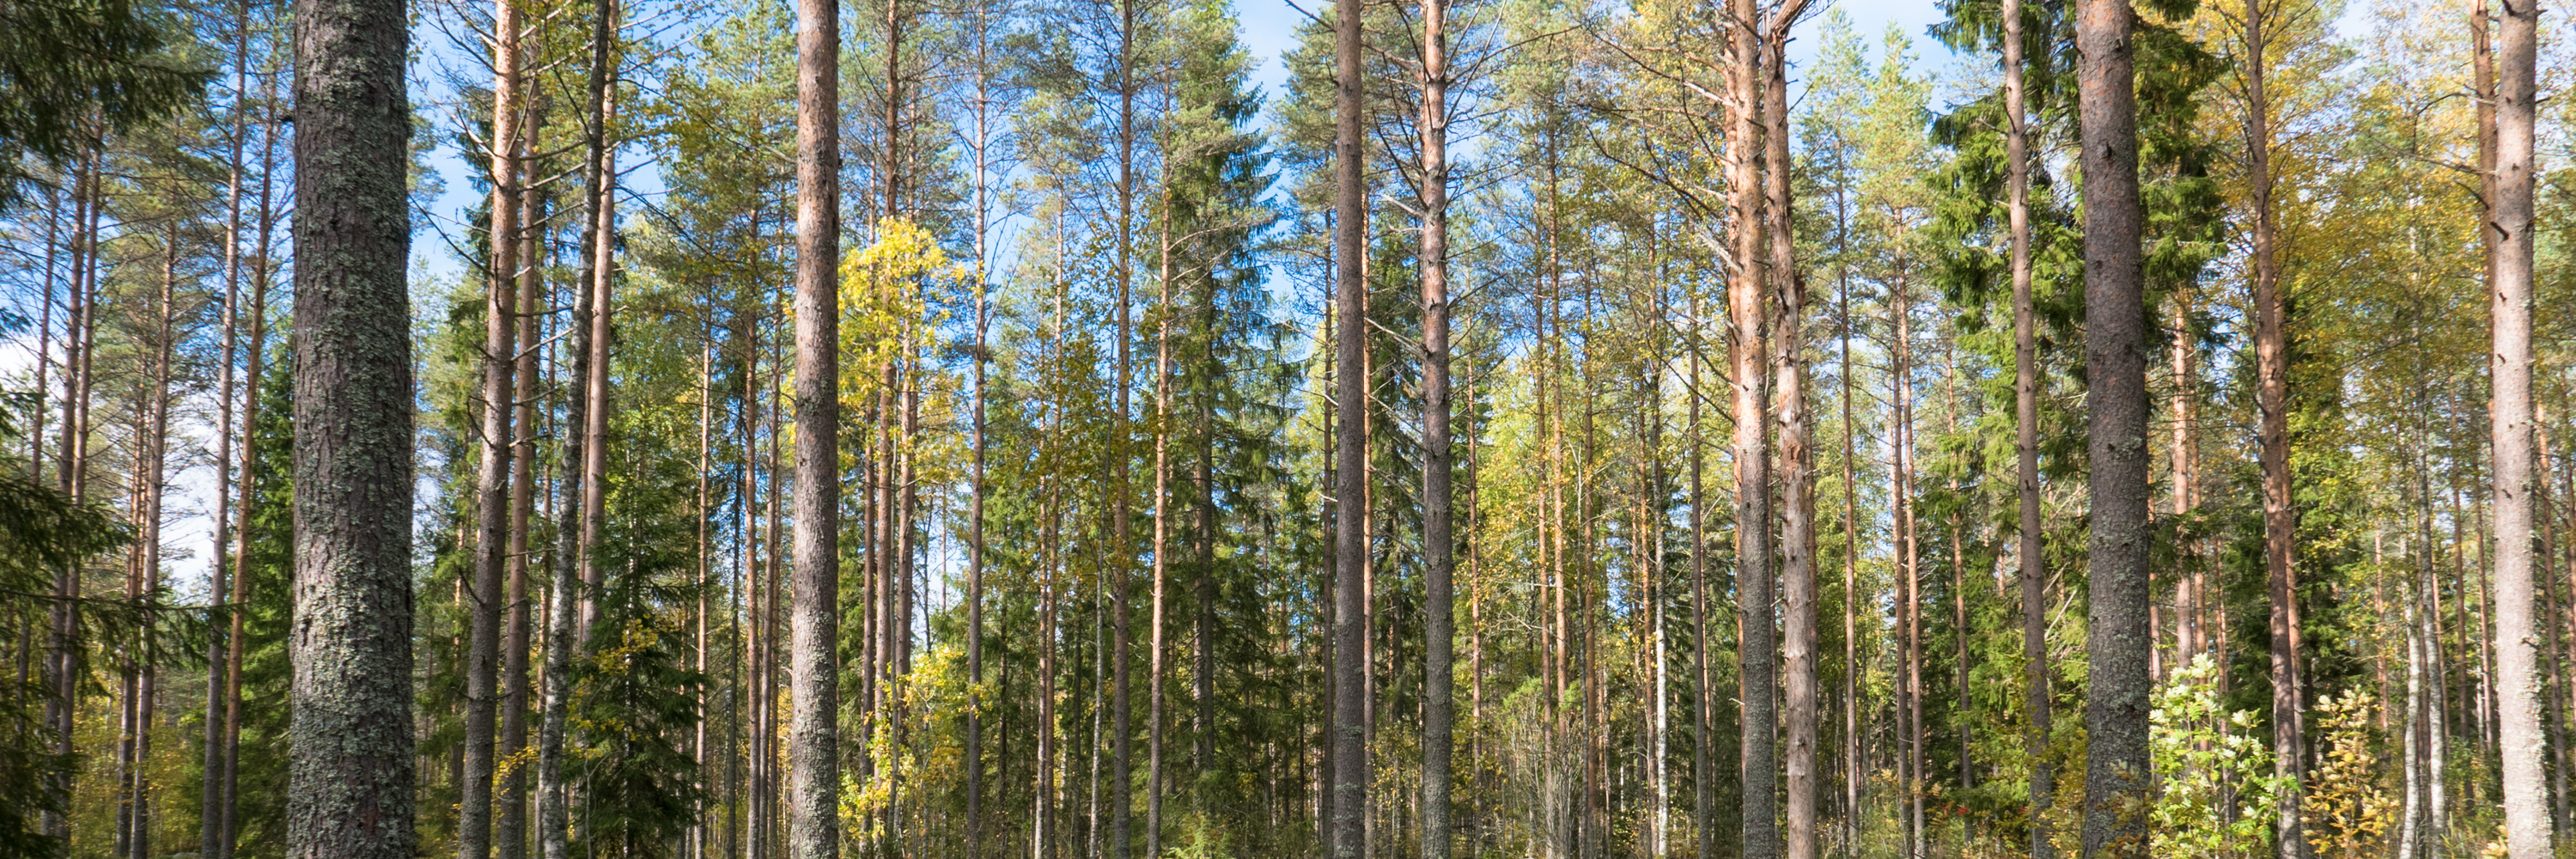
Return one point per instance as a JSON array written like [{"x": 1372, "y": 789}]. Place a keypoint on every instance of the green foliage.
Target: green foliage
[
  {"x": 72, "y": 71},
  {"x": 2214, "y": 771}
]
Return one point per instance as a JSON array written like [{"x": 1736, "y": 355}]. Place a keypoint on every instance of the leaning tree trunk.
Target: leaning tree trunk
[
  {"x": 350, "y": 784},
  {"x": 2116, "y": 785},
  {"x": 2509, "y": 216}
]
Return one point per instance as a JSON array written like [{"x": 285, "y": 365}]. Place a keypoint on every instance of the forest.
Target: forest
[{"x": 1375, "y": 429}]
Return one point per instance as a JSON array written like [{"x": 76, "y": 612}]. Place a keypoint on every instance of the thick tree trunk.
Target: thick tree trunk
[
  {"x": 2116, "y": 766},
  {"x": 2032, "y": 551},
  {"x": 2510, "y": 218},
  {"x": 1439, "y": 544},
  {"x": 1797, "y": 513},
  {"x": 350, "y": 770},
  {"x": 813, "y": 749},
  {"x": 1747, "y": 302}
]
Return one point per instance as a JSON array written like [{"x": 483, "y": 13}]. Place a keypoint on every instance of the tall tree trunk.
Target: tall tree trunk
[
  {"x": 983, "y": 203},
  {"x": 1747, "y": 302},
  {"x": 599, "y": 311},
  {"x": 350, "y": 783},
  {"x": 510, "y": 828},
  {"x": 1704, "y": 707},
  {"x": 1851, "y": 552},
  {"x": 1439, "y": 545},
  {"x": 1162, "y": 533},
  {"x": 567, "y": 626},
  {"x": 1350, "y": 778},
  {"x": 254, "y": 371},
  {"x": 2033, "y": 548},
  {"x": 1911, "y": 771},
  {"x": 210, "y": 806},
  {"x": 1121, "y": 737},
  {"x": 148, "y": 485},
  {"x": 2280, "y": 521},
  {"x": 2527, "y": 824},
  {"x": 813, "y": 753},
  {"x": 492, "y": 473},
  {"x": 2116, "y": 766},
  {"x": 1797, "y": 467},
  {"x": 73, "y": 471}
]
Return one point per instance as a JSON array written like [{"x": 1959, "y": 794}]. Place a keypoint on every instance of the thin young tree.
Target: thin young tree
[
  {"x": 2032, "y": 549},
  {"x": 254, "y": 372},
  {"x": 2510, "y": 218},
  {"x": 350, "y": 773},
  {"x": 2116, "y": 783}
]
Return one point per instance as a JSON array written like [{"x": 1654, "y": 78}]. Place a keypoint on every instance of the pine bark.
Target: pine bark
[
  {"x": 1747, "y": 301},
  {"x": 350, "y": 760},
  {"x": 1797, "y": 477},
  {"x": 2271, "y": 394},
  {"x": 813, "y": 754},
  {"x": 2117, "y": 786},
  {"x": 492, "y": 472},
  {"x": 1439, "y": 543},
  {"x": 2510, "y": 221}
]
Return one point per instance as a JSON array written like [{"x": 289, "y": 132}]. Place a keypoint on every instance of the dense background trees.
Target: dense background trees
[{"x": 1212, "y": 436}]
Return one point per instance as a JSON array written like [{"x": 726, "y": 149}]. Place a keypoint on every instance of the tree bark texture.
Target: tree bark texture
[
  {"x": 2116, "y": 784},
  {"x": 813, "y": 754},
  {"x": 2517, "y": 642},
  {"x": 350, "y": 770},
  {"x": 1797, "y": 514},
  {"x": 1747, "y": 304}
]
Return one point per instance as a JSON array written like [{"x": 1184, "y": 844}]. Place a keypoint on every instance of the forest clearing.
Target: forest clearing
[{"x": 1202, "y": 429}]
